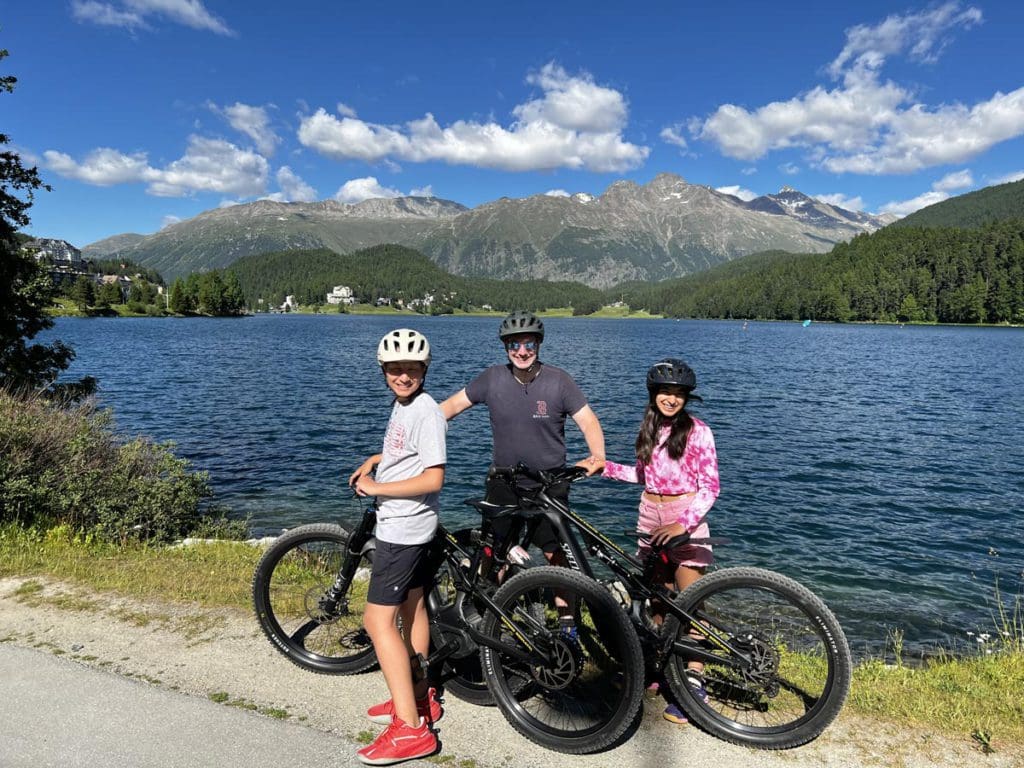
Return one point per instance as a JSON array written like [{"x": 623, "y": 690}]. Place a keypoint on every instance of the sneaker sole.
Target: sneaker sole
[
  {"x": 676, "y": 720},
  {"x": 392, "y": 760}
]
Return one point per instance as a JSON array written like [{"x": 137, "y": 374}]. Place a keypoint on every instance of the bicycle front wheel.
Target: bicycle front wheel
[
  {"x": 778, "y": 667},
  {"x": 291, "y": 591},
  {"x": 587, "y": 682}
]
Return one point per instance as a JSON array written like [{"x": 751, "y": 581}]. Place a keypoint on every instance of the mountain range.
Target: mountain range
[{"x": 665, "y": 228}]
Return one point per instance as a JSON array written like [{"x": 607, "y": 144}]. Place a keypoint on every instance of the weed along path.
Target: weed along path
[{"x": 222, "y": 658}]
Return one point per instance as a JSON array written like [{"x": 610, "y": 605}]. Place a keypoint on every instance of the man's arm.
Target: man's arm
[
  {"x": 587, "y": 421},
  {"x": 459, "y": 402}
]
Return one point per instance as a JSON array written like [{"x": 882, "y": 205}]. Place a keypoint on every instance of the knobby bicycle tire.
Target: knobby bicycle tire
[
  {"x": 800, "y": 666},
  {"x": 289, "y": 588},
  {"x": 579, "y": 701}
]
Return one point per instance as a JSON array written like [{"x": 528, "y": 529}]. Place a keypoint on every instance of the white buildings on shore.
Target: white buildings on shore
[{"x": 341, "y": 294}]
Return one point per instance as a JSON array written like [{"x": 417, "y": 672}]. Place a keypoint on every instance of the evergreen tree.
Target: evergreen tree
[
  {"x": 84, "y": 292},
  {"x": 25, "y": 287}
]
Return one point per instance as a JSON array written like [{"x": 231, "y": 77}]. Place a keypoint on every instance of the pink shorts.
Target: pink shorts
[{"x": 654, "y": 514}]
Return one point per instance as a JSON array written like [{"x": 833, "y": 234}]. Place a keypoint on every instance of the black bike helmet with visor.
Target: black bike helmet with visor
[
  {"x": 521, "y": 322},
  {"x": 672, "y": 372}
]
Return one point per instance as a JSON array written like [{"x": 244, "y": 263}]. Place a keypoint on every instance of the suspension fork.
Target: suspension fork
[{"x": 335, "y": 598}]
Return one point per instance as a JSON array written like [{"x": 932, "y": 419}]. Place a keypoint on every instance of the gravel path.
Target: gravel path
[{"x": 224, "y": 656}]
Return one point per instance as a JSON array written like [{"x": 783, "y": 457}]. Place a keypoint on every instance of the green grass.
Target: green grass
[{"x": 976, "y": 698}]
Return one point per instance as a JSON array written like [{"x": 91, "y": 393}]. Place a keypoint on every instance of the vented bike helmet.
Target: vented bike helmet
[
  {"x": 404, "y": 344},
  {"x": 521, "y": 322},
  {"x": 672, "y": 372}
]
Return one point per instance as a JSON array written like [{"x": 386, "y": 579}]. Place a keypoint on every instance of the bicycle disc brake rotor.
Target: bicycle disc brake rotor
[
  {"x": 565, "y": 662},
  {"x": 763, "y": 670},
  {"x": 320, "y": 608}
]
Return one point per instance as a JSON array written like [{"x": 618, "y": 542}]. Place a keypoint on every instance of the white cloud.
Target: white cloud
[
  {"x": 1015, "y": 176},
  {"x": 427, "y": 191},
  {"x": 902, "y": 208},
  {"x": 134, "y": 14},
  {"x": 102, "y": 167},
  {"x": 867, "y": 125},
  {"x": 557, "y": 193},
  {"x": 954, "y": 181},
  {"x": 790, "y": 169},
  {"x": 941, "y": 190},
  {"x": 169, "y": 220},
  {"x": 575, "y": 124},
  {"x": 737, "y": 191},
  {"x": 923, "y": 35},
  {"x": 357, "y": 190},
  {"x": 254, "y": 122},
  {"x": 345, "y": 110},
  {"x": 840, "y": 200},
  {"x": 673, "y": 134},
  {"x": 208, "y": 165},
  {"x": 293, "y": 188}
]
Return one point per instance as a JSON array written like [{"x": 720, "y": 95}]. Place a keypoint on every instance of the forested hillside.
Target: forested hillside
[
  {"x": 975, "y": 209},
  {"x": 393, "y": 272},
  {"x": 945, "y": 275}
]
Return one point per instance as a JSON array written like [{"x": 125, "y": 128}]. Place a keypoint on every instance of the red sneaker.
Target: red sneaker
[
  {"x": 400, "y": 742},
  {"x": 429, "y": 709}
]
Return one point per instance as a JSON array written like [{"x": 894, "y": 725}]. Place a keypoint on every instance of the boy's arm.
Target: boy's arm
[
  {"x": 365, "y": 468},
  {"x": 429, "y": 480},
  {"x": 455, "y": 405}
]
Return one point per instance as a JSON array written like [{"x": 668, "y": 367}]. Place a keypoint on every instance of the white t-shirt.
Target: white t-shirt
[{"x": 415, "y": 440}]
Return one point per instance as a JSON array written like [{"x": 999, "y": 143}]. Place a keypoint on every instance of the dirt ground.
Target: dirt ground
[{"x": 224, "y": 656}]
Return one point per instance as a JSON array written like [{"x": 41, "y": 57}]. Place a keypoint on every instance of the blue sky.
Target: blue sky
[{"x": 140, "y": 113}]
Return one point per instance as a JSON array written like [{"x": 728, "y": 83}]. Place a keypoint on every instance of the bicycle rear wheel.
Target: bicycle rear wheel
[
  {"x": 788, "y": 674},
  {"x": 586, "y": 688},
  {"x": 290, "y": 591}
]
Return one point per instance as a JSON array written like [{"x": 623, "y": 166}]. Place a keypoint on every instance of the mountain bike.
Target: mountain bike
[
  {"x": 570, "y": 693},
  {"x": 776, "y": 663}
]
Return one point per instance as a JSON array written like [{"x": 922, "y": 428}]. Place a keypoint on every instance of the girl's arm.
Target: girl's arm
[
  {"x": 429, "y": 480},
  {"x": 702, "y": 459},
  {"x": 624, "y": 472}
]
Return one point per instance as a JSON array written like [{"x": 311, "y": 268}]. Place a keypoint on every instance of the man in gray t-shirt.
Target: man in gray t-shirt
[{"x": 528, "y": 403}]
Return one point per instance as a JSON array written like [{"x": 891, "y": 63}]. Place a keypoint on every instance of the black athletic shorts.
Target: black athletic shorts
[
  {"x": 397, "y": 570},
  {"x": 498, "y": 491}
]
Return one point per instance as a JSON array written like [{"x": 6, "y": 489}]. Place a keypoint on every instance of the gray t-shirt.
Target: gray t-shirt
[
  {"x": 527, "y": 420},
  {"x": 415, "y": 440}
]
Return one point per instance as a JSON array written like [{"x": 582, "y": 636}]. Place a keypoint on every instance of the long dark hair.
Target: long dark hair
[{"x": 647, "y": 438}]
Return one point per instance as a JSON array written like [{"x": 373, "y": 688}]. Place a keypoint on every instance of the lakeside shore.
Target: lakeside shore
[{"x": 220, "y": 654}]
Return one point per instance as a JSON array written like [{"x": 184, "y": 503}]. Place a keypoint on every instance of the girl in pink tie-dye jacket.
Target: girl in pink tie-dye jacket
[{"x": 677, "y": 464}]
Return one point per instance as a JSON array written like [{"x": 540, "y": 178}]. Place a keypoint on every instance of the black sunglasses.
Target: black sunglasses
[{"x": 531, "y": 346}]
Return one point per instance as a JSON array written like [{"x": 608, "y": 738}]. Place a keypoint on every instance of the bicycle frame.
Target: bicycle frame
[
  {"x": 635, "y": 575},
  {"x": 446, "y": 548}
]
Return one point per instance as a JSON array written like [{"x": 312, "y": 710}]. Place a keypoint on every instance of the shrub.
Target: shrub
[{"x": 63, "y": 465}]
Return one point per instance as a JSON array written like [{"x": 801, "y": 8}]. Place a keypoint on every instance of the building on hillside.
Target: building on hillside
[
  {"x": 289, "y": 304},
  {"x": 341, "y": 294},
  {"x": 57, "y": 252},
  {"x": 123, "y": 282}
]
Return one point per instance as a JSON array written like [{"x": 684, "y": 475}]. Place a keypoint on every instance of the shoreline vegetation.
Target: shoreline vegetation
[
  {"x": 67, "y": 308},
  {"x": 80, "y": 505}
]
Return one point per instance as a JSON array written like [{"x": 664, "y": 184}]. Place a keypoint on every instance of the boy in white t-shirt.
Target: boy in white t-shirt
[{"x": 408, "y": 479}]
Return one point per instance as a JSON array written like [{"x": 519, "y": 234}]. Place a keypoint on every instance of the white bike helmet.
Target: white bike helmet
[{"x": 404, "y": 344}]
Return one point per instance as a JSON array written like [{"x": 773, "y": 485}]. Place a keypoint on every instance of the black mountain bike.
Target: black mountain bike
[
  {"x": 572, "y": 693},
  {"x": 776, "y": 664}
]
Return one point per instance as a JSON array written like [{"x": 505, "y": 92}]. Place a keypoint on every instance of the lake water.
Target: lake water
[{"x": 880, "y": 465}]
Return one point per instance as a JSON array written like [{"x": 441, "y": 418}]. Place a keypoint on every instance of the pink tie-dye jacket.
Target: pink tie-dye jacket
[{"x": 696, "y": 471}]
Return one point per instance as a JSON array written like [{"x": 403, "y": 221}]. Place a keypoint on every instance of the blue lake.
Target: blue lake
[{"x": 880, "y": 465}]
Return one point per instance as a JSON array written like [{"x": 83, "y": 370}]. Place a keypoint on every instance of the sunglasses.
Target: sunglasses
[{"x": 513, "y": 346}]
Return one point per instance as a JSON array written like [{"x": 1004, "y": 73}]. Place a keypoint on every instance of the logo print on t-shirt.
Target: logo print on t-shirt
[{"x": 542, "y": 409}]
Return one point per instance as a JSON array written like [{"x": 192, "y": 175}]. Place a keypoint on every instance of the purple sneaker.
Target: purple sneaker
[{"x": 675, "y": 715}]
